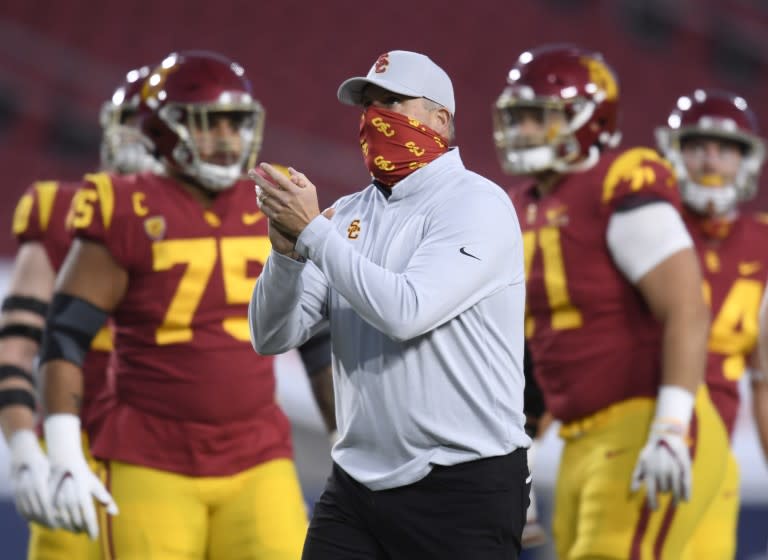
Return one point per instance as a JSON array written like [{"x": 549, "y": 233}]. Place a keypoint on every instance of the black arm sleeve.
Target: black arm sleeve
[
  {"x": 316, "y": 352},
  {"x": 533, "y": 399}
]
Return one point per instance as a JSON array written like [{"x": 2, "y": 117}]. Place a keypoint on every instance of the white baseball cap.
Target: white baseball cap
[{"x": 404, "y": 72}]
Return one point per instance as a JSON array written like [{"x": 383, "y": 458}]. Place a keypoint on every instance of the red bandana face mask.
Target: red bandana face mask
[{"x": 394, "y": 145}]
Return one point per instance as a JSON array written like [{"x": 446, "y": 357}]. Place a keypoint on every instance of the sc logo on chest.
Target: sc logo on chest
[{"x": 353, "y": 231}]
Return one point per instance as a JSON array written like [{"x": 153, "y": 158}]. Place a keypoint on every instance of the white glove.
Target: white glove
[
  {"x": 664, "y": 464},
  {"x": 73, "y": 486},
  {"x": 29, "y": 473},
  {"x": 534, "y": 533}
]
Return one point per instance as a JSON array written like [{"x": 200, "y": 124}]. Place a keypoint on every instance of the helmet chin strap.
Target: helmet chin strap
[
  {"x": 530, "y": 160},
  {"x": 582, "y": 165},
  {"x": 543, "y": 158},
  {"x": 210, "y": 176},
  {"x": 699, "y": 198},
  {"x": 218, "y": 177}
]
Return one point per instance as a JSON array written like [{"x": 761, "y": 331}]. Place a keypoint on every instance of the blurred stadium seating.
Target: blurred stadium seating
[
  {"x": 57, "y": 64},
  {"x": 60, "y": 59}
]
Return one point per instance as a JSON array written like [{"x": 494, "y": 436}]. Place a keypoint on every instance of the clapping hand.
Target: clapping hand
[{"x": 290, "y": 203}]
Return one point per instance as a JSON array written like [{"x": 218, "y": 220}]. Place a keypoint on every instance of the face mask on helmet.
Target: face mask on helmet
[
  {"x": 531, "y": 137},
  {"x": 124, "y": 149},
  {"x": 711, "y": 140},
  {"x": 571, "y": 95},
  {"x": 714, "y": 173},
  {"x": 216, "y": 144},
  {"x": 539, "y": 134}
]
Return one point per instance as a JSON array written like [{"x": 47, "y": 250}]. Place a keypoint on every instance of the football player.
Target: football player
[
  {"x": 197, "y": 451},
  {"x": 39, "y": 227},
  {"x": 711, "y": 140},
  {"x": 617, "y": 334}
]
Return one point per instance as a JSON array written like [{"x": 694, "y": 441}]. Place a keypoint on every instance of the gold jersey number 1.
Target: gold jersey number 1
[{"x": 564, "y": 314}]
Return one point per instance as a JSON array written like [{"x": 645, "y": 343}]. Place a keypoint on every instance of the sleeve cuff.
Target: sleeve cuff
[
  {"x": 285, "y": 262},
  {"x": 313, "y": 236}
]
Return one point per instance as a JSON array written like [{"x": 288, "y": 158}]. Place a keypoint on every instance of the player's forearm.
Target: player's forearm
[
  {"x": 22, "y": 322},
  {"x": 23, "y": 330},
  {"x": 62, "y": 387},
  {"x": 14, "y": 418},
  {"x": 671, "y": 291},
  {"x": 16, "y": 360},
  {"x": 684, "y": 355}
]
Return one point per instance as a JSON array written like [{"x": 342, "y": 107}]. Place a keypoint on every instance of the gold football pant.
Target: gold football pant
[
  {"x": 596, "y": 515},
  {"x": 258, "y": 514},
  {"x": 49, "y": 544},
  {"x": 715, "y": 537}
]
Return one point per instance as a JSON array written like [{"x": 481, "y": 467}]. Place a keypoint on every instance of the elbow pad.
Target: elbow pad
[{"x": 72, "y": 324}]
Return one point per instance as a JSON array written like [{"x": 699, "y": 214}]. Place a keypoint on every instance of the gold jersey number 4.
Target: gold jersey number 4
[{"x": 735, "y": 327}]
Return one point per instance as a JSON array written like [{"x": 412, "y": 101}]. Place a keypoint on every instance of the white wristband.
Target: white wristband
[
  {"x": 674, "y": 404},
  {"x": 62, "y": 436}
]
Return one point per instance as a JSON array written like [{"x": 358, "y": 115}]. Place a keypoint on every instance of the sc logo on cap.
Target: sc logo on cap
[{"x": 381, "y": 63}]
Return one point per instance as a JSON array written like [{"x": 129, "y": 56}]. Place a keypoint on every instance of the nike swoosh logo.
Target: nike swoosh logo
[
  {"x": 250, "y": 218},
  {"x": 611, "y": 453},
  {"x": 463, "y": 251}
]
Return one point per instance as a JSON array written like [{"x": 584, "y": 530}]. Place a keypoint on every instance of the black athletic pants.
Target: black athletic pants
[{"x": 473, "y": 511}]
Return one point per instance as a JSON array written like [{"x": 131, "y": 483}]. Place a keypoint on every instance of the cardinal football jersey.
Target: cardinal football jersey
[
  {"x": 735, "y": 270},
  {"x": 593, "y": 339},
  {"x": 191, "y": 396}
]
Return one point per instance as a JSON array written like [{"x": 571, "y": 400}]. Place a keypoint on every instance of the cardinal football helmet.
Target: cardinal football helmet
[
  {"x": 124, "y": 149},
  {"x": 574, "y": 94},
  {"x": 187, "y": 92},
  {"x": 713, "y": 114}
]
